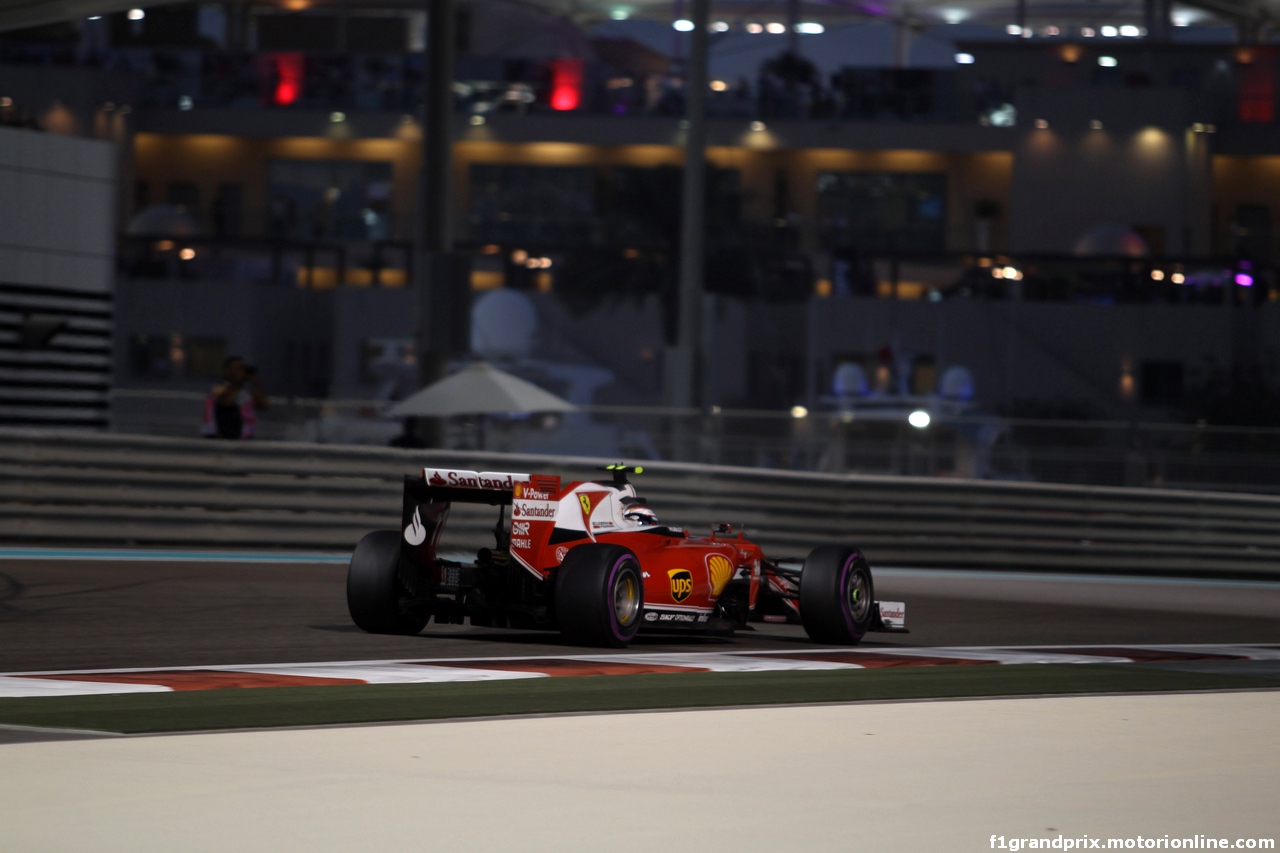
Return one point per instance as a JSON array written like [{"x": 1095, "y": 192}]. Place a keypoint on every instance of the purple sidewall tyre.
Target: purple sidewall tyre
[{"x": 837, "y": 597}]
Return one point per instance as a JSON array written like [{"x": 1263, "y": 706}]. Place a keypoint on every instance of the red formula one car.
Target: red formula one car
[{"x": 592, "y": 560}]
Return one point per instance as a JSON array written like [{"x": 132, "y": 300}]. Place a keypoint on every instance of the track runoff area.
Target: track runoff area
[{"x": 209, "y": 701}]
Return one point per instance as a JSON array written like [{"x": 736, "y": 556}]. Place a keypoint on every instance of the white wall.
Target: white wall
[
  {"x": 57, "y": 250},
  {"x": 57, "y": 197}
]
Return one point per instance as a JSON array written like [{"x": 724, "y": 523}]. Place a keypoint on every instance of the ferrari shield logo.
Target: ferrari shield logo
[
  {"x": 590, "y": 501},
  {"x": 681, "y": 584}
]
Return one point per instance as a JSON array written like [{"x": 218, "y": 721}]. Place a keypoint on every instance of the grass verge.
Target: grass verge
[{"x": 137, "y": 713}]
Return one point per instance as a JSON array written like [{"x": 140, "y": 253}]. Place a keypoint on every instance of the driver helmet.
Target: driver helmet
[{"x": 640, "y": 515}]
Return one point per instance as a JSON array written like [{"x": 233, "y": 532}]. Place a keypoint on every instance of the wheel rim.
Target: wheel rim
[
  {"x": 858, "y": 595},
  {"x": 626, "y": 598}
]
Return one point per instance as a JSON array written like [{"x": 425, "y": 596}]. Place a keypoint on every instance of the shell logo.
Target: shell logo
[{"x": 721, "y": 570}]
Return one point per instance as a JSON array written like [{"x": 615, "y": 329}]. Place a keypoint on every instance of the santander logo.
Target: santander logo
[
  {"x": 534, "y": 510},
  {"x": 471, "y": 480}
]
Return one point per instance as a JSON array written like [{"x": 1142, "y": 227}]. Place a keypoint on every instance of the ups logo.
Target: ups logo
[{"x": 681, "y": 583}]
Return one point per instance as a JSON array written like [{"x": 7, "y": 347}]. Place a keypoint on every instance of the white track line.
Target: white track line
[
  {"x": 731, "y": 662},
  {"x": 13, "y": 688},
  {"x": 443, "y": 670},
  {"x": 389, "y": 673}
]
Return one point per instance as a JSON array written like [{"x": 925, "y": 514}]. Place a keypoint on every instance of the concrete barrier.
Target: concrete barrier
[{"x": 80, "y": 489}]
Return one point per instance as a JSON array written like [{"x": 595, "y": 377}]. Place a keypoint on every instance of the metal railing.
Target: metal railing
[
  {"x": 1100, "y": 453},
  {"x": 315, "y": 265},
  {"x": 76, "y": 488}
]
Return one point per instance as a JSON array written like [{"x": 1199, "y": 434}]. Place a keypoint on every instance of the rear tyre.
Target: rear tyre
[
  {"x": 375, "y": 592},
  {"x": 837, "y": 599},
  {"x": 599, "y": 596}
]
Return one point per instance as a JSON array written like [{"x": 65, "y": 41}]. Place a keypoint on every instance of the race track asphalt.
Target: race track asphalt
[{"x": 61, "y": 614}]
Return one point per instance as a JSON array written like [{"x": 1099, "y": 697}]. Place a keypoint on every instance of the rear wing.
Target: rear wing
[
  {"x": 447, "y": 485},
  {"x": 496, "y": 488},
  {"x": 428, "y": 497}
]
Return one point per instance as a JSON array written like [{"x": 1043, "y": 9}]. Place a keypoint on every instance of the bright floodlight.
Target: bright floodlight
[
  {"x": 918, "y": 419},
  {"x": 799, "y": 412},
  {"x": 810, "y": 28},
  {"x": 964, "y": 58},
  {"x": 776, "y": 28},
  {"x": 1107, "y": 61},
  {"x": 1130, "y": 31},
  {"x": 683, "y": 25},
  {"x": 136, "y": 14},
  {"x": 1109, "y": 32}
]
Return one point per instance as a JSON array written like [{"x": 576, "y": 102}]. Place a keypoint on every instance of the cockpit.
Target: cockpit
[{"x": 636, "y": 511}]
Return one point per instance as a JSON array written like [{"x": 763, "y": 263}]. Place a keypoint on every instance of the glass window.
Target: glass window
[
  {"x": 205, "y": 357},
  {"x": 329, "y": 200},
  {"x": 537, "y": 205},
  {"x": 882, "y": 211},
  {"x": 184, "y": 194},
  {"x": 1162, "y": 383},
  {"x": 149, "y": 357}
]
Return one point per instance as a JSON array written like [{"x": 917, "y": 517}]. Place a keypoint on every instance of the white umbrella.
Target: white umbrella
[
  {"x": 163, "y": 220},
  {"x": 480, "y": 389}
]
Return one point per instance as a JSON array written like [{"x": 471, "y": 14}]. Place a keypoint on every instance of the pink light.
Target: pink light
[
  {"x": 290, "y": 70},
  {"x": 286, "y": 92},
  {"x": 1244, "y": 279},
  {"x": 566, "y": 84}
]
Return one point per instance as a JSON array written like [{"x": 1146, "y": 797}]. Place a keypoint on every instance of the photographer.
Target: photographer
[{"x": 230, "y": 410}]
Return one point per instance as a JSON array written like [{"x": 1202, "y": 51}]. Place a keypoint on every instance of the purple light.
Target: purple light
[{"x": 1244, "y": 279}]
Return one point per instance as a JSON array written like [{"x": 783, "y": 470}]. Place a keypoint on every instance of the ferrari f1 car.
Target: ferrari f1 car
[{"x": 591, "y": 560}]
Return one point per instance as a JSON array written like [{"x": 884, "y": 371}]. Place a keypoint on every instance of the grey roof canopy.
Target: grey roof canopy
[
  {"x": 16, "y": 14},
  {"x": 480, "y": 389}
]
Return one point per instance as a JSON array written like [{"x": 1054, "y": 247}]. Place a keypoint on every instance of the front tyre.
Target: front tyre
[
  {"x": 375, "y": 592},
  {"x": 599, "y": 595},
  {"x": 837, "y": 598}
]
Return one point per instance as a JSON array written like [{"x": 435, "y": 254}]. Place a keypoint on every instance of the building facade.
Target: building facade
[{"x": 1124, "y": 189}]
